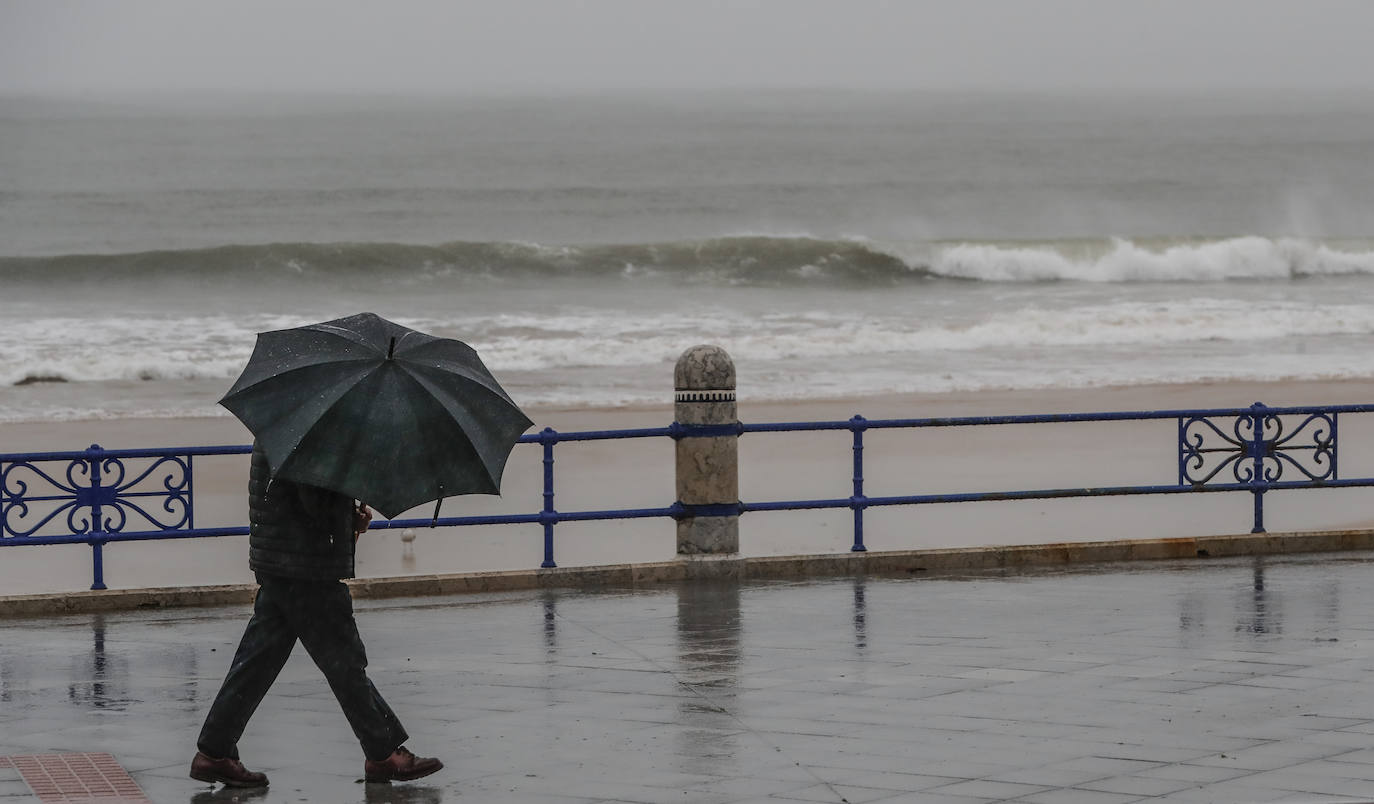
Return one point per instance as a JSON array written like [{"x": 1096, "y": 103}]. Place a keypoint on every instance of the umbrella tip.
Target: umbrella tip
[{"x": 391, "y": 350}]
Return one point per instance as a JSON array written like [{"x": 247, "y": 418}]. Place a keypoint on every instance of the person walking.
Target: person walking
[{"x": 302, "y": 541}]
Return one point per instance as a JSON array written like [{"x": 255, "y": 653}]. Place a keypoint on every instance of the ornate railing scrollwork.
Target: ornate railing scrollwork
[
  {"x": 95, "y": 494},
  {"x": 1315, "y": 438},
  {"x": 1257, "y": 448},
  {"x": 17, "y": 503}
]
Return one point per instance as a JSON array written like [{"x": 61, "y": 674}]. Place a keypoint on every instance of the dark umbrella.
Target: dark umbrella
[{"x": 382, "y": 413}]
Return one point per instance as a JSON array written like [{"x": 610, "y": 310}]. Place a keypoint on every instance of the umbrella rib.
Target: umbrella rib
[
  {"x": 425, "y": 382},
  {"x": 433, "y": 467},
  {"x": 342, "y": 333},
  {"x": 479, "y": 385},
  {"x": 315, "y": 364},
  {"x": 322, "y": 414},
  {"x": 479, "y": 380},
  {"x": 405, "y": 335}
]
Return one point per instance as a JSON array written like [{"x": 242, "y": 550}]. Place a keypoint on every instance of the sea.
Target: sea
[{"x": 836, "y": 244}]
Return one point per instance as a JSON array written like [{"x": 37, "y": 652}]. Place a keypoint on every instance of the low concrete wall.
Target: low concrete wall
[{"x": 913, "y": 563}]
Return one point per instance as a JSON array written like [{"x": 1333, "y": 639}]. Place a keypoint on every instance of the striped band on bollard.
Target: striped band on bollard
[{"x": 705, "y": 396}]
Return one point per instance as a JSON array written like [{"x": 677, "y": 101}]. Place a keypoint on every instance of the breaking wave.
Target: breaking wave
[
  {"x": 742, "y": 260},
  {"x": 1255, "y": 258},
  {"x": 731, "y": 260}
]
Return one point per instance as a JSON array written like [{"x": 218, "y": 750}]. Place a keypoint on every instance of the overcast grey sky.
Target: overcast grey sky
[{"x": 456, "y": 46}]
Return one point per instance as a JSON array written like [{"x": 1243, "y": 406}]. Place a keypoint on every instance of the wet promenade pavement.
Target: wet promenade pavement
[{"x": 1247, "y": 680}]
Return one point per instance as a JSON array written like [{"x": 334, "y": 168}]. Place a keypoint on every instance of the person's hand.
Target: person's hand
[{"x": 362, "y": 518}]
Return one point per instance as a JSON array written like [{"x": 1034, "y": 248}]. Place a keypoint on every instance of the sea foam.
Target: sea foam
[
  {"x": 1127, "y": 261},
  {"x": 217, "y": 347}
]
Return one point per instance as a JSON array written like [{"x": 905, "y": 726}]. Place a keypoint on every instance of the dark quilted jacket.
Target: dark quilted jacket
[{"x": 295, "y": 530}]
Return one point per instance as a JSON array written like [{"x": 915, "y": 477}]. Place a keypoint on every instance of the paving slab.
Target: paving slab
[{"x": 1210, "y": 680}]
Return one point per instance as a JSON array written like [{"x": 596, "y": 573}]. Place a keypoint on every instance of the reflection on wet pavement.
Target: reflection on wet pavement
[
  {"x": 1260, "y": 611},
  {"x": 99, "y": 680},
  {"x": 708, "y": 632},
  {"x": 860, "y": 617},
  {"x": 225, "y": 795},
  {"x": 402, "y": 794}
]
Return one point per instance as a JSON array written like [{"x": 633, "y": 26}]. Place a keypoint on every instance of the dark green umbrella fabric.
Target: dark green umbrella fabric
[{"x": 377, "y": 411}]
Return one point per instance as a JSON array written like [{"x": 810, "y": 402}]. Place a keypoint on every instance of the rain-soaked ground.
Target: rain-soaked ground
[{"x": 1209, "y": 681}]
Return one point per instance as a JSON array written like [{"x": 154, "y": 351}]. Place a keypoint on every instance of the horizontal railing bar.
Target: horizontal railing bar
[
  {"x": 778, "y": 427},
  {"x": 132, "y": 536},
  {"x": 244, "y": 449},
  {"x": 148, "y": 452},
  {"x": 1049, "y": 494},
  {"x": 120, "y": 495},
  {"x": 744, "y": 507},
  {"x": 378, "y": 524},
  {"x": 1047, "y": 418},
  {"x": 597, "y": 435},
  {"x": 454, "y": 521},
  {"x": 383, "y": 524},
  {"x": 627, "y": 513},
  {"x": 523, "y": 519},
  {"x": 1034, "y": 494}
]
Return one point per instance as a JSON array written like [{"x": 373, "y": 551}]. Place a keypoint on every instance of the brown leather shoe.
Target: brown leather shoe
[
  {"x": 229, "y": 771},
  {"x": 401, "y": 766}
]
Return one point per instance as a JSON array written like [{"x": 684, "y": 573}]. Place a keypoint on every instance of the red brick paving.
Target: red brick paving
[{"x": 73, "y": 778}]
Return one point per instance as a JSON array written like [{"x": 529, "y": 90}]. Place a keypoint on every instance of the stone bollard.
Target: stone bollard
[{"x": 707, "y": 466}]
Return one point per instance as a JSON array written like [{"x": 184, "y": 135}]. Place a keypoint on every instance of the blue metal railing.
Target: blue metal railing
[{"x": 98, "y": 496}]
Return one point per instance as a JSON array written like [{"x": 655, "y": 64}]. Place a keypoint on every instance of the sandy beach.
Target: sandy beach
[{"x": 639, "y": 473}]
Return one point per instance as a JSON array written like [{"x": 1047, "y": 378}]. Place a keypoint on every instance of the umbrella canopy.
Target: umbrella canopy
[{"x": 377, "y": 411}]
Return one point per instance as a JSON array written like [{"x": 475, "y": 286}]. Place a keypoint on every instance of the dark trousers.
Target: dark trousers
[{"x": 320, "y": 615}]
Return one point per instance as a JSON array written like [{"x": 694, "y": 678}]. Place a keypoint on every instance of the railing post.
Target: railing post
[
  {"x": 549, "y": 516},
  {"x": 1257, "y": 453},
  {"x": 858, "y": 502},
  {"x": 93, "y": 458},
  {"x": 98, "y": 565},
  {"x": 1182, "y": 452},
  {"x": 707, "y": 465},
  {"x": 1335, "y": 470},
  {"x": 190, "y": 495}
]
